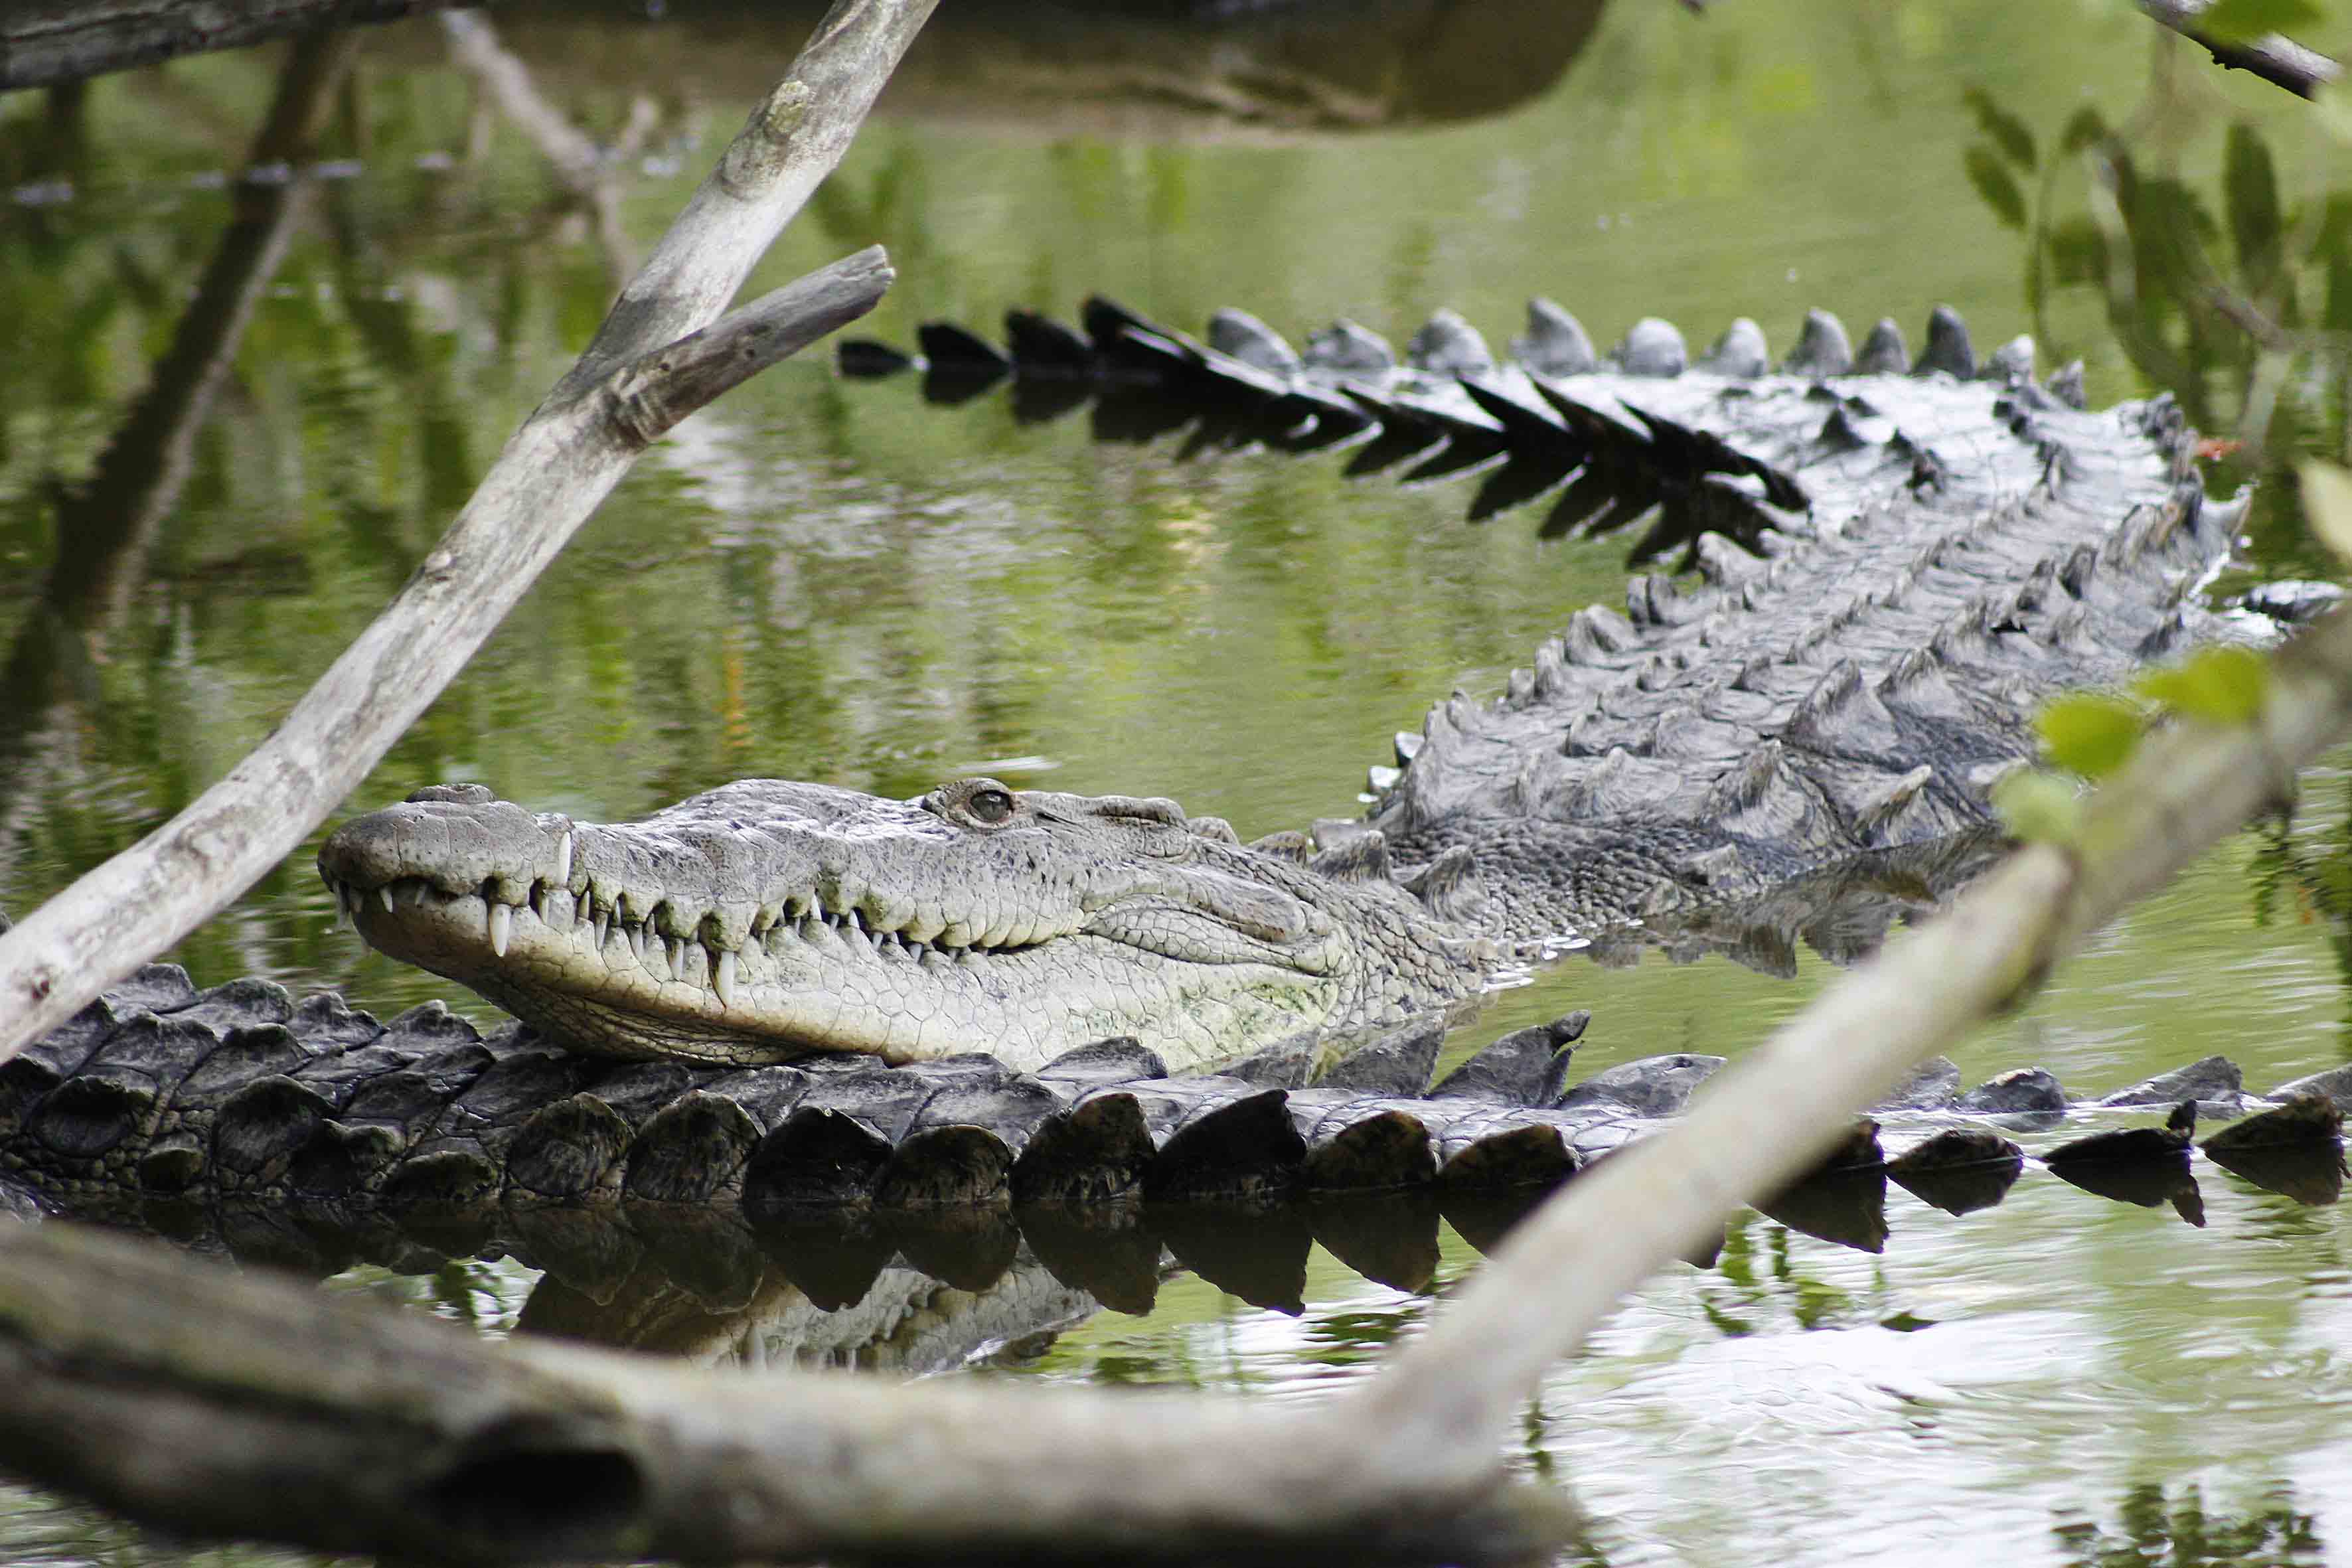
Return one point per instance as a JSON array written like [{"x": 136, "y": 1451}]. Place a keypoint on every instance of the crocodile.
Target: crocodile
[
  {"x": 1803, "y": 746},
  {"x": 793, "y": 998}
]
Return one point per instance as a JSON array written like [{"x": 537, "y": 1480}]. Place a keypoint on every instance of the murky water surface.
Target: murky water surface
[{"x": 831, "y": 581}]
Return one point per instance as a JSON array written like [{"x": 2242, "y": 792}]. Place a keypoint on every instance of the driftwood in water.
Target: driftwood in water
[
  {"x": 662, "y": 353},
  {"x": 175, "y": 1391},
  {"x": 43, "y": 42}
]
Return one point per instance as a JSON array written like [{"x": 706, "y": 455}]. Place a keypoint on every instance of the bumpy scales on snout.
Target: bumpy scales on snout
[{"x": 769, "y": 918}]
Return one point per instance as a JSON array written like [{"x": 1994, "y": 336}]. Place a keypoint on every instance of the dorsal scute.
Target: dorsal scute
[
  {"x": 1842, "y": 715},
  {"x": 1364, "y": 858}
]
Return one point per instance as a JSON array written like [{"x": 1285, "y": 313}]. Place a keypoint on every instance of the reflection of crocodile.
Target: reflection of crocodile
[
  {"x": 1725, "y": 767},
  {"x": 1157, "y": 70}
]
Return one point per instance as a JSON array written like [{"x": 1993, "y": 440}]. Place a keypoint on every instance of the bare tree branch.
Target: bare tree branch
[
  {"x": 2275, "y": 59},
  {"x": 44, "y": 42},
  {"x": 552, "y": 473}
]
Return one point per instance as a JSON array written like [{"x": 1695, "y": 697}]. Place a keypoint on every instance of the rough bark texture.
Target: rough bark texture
[
  {"x": 554, "y": 470},
  {"x": 176, "y": 1392}
]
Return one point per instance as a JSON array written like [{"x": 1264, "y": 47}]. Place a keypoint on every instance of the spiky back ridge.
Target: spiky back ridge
[
  {"x": 1962, "y": 550},
  {"x": 1901, "y": 556}
]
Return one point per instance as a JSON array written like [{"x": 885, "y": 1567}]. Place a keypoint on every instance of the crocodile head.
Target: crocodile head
[{"x": 769, "y": 918}]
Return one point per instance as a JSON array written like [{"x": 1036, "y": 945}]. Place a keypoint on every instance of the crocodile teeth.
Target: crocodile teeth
[
  {"x": 602, "y": 923},
  {"x": 673, "y": 951},
  {"x": 563, "y": 878},
  {"x": 383, "y": 895},
  {"x": 722, "y": 978},
  {"x": 501, "y": 926}
]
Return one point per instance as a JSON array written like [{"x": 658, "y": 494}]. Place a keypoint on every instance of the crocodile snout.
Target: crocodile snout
[{"x": 456, "y": 837}]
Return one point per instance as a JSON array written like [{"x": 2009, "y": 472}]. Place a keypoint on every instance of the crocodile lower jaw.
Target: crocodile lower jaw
[{"x": 826, "y": 984}]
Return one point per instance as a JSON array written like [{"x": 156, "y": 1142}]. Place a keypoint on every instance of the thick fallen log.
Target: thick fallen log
[{"x": 178, "y": 1392}]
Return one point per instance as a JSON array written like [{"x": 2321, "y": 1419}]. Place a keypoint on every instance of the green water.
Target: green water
[{"x": 828, "y": 581}]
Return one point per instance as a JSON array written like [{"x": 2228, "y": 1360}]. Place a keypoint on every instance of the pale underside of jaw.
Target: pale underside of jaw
[{"x": 822, "y": 979}]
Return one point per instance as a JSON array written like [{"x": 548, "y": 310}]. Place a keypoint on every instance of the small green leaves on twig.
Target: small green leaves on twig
[
  {"x": 2086, "y": 129},
  {"x": 1996, "y": 184},
  {"x": 2006, "y": 131},
  {"x": 2092, "y": 734},
  {"x": 2219, "y": 686},
  {"x": 2039, "y": 807},
  {"x": 2007, "y": 141}
]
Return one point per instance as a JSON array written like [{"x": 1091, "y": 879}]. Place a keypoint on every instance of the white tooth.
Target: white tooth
[
  {"x": 563, "y": 859},
  {"x": 636, "y": 937},
  {"x": 723, "y": 979},
  {"x": 501, "y": 926},
  {"x": 384, "y": 895},
  {"x": 602, "y": 921},
  {"x": 674, "y": 950}
]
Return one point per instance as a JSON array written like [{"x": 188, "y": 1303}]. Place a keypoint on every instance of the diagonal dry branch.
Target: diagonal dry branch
[
  {"x": 648, "y": 366},
  {"x": 2275, "y": 58}
]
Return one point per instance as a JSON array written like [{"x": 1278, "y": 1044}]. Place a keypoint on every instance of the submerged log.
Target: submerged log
[{"x": 170, "y": 1390}]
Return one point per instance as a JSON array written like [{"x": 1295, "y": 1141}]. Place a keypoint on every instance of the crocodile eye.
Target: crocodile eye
[{"x": 989, "y": 805}]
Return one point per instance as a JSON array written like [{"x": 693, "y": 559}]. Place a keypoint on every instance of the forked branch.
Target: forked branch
[{"x": 552, "y": 473}]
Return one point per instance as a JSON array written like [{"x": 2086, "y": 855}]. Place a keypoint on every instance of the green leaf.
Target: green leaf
[
  {"x": 1995, "y": 183},
  {"x": 2038, "y": 808},
  {"x": 2089, "y": 732},
  {"x": 2219, "y": 686},
  {"x": 2078, "y": 252},
  {"x": 2084, "y": 130},
  {"x": 2243, "y": 21},
  {"x": 2006, "y": 131},
  {"x": 2327, "y": 505}
]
